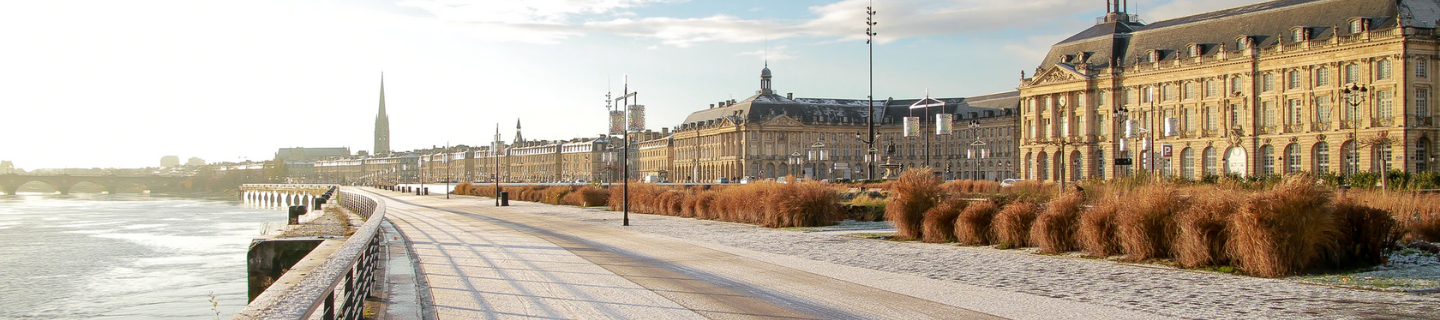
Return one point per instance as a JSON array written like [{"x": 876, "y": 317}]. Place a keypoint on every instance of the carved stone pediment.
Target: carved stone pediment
[
  {"x": 1059, "y": 73},
  {"x": 783, "y": 121}
]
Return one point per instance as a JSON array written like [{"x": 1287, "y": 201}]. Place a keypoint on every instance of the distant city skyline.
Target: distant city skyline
[{"x": 117, "y": 84}]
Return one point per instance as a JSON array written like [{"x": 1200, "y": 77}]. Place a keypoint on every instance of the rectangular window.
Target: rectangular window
[
  {"x": 1267, "y": 116},
  {"x": 1128, "y": 95},
  {"x": 1422, "y": 69},
  {"x": 1234, "y": 115},
  {"x": 1422, "y": 102},
  {"x": 1294, "y": 80},
  {"x": 1169, "y": 93},
  {"x": 1190, "y": 90},
  {"x": 1352, "y": 73},
  {"x": 1385, "y": 103},
  {"x": 1296, "y": 112},
  {"x": 1322, "y": 109},
  {"x": 1267, "y": 82},
  {"x": 1102, "y": 98},
  {"x": 1382, "y": 70},
  {"x": 1189, "y": 120},
  {"x": 1211, "y": 89},
  {"x": 1236, "y": 84},
  {"x": 1357, "y": 25},
  {"x": 1322, "y": 77},
  {"x": 1212, "y": 118}
]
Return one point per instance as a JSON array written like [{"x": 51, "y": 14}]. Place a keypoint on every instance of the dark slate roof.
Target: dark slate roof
[
  {"x": 1265, "y": 22},
  {"x": 765, "y": 107}
]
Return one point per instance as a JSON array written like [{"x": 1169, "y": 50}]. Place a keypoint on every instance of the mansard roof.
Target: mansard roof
[
  {"x": 1266, "y": 23},
  {"x": 765, "y": 107}
]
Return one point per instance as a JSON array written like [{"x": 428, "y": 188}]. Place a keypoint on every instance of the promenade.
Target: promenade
[
  {"x": 483, "y": 262},
  {"x": 541, "y": 261}
]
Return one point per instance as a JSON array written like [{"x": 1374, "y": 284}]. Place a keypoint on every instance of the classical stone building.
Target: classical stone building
[
  {"x": 769, "y": 135},
  {"x": 1251, "y": 90}
]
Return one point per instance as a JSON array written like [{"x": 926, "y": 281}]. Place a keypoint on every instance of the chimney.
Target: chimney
[
  {"x": 790, "y": 95},
  {"x": 664, "y": 131},
  {"x": 712, "y": 106}
]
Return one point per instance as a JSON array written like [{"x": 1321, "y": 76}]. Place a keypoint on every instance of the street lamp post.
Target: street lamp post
[
  {"x": 926, "y": 104},
  {"x": 1354, "y": 97},
  {"x": 817, "y": 155},
  {"x": 870, "y": 107},
  {"x": 795, "y": 162},
  {"x": 625, "y": 149}
]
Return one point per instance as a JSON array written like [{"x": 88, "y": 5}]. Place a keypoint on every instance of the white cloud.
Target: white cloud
[
  {"x": 1034, "y": 48},
  {"x": 776, "y": 53},
  {"x": 550, "y": 21},
  {"x": 1181, "y": 8}
]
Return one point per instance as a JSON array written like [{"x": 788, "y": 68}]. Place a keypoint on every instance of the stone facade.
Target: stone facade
[{"x": 1252, "y": 90}]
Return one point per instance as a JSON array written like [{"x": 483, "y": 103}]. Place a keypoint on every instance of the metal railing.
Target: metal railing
[{"x": 337, "y": 288}]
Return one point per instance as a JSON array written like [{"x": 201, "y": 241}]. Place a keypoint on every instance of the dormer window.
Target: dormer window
[
  {"x": 1194, "y": 50},
  {"x": 1357, "y": 25},
  {"x": 1242, "y": 43},
  {"x": 1299, "y": 34},
  {"x": 1153, "y": 55},
  {"x": 1066, "y": 58}
]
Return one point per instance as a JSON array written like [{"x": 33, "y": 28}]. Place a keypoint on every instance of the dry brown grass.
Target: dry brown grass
[
  {"x": 1011, "y": 227},
  {"x": 1418, "y": 215},
  {"x": 914, "y": 193},
  {"x": 971, "y": 186},
  {"x": 939, "y": 222},
  {"x": 1097, "y": 228},
  {"x": 1202, "y": 228},
  {"x": 1145, "y": 224},
  {"x": 1054, "y": 230},
  {"x": 972, "y": 227},
  {"x": 1283, "y": 231}
]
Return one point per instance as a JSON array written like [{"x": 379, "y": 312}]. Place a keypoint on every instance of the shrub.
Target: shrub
[
  {"x": 1144, "y": 223},
  {"x": 972, "y": 227},
  {"x": 914, "y": 193},
  {"x": 1054, "y": 230},
  {"x": 806, "y": 204},
  {"x": 1202, "y": 228},
  {"x": 939, "y": 222},
  {"x": 1011, "y": 227},
  {"x": 1283, "y": 231},
  {"x": 866, "y": 207},
  {"x": 1366, "y": 234},
  {"x": 1097, "y": 229}
]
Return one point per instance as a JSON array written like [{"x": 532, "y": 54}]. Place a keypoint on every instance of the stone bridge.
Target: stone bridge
[{"x": 10, "y": 183}]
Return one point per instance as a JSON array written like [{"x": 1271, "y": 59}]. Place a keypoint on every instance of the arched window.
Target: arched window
[
  {"x": 1100, "y": 163},
  {"x": 1322, "y": 157},
  {"x": 1292, "y": 158},
  {"x": 1267, "y": 157},
  {"x": 1040, "y": 165},
  {"x": 1210, "y": 161},
  {"x": 1187, "y": 164},
  {"x": 1351, "y": 165},
  {"x": 1382, "y": 159}
]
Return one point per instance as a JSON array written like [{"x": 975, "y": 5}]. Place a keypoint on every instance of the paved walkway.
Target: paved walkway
[{"x": 484, "y": 262}]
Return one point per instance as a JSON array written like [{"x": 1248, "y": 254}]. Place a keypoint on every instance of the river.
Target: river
[{"x": 125, "y": 256}]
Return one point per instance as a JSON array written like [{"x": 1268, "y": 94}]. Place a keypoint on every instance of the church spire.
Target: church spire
[
  {"x": 382, "y": 123},
  {"x": 518, "y": 138}
]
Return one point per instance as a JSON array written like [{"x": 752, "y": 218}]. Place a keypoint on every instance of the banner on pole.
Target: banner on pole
[
  {"x": 617, "y": 123},
  {"x": 943, "y": 123},
  {"x": 637, "y": 118},
  {"x": 912, "y": 126}
]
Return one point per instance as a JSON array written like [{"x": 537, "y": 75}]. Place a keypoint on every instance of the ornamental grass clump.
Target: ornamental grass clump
[
  {"x": 1096, "y": 234},
  {"x": 1145, "y": 221},
  {"x": 939, "y": 221},
  {"x": 1417, "y": 215},
  {"x": 1283, "y": 231},
  {"x": 1366, "y": 233},
  {"x": 1011, "y": 227},
  {"x": 1054, "y": 230},
  {"x": 972, "y": 226},
  {"x": 1203, "y": 228},
  {"x": 809, "y": 204},
  {"x": 914, "y": 193}
]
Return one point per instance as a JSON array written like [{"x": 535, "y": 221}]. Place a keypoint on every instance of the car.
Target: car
[
  {"x": 722, "y": 180},
  {"x": 748, "y": 180},
  {"x": 1009, "y": 182}
]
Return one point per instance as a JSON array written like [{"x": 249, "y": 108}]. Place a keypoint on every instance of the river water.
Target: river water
[{"x": 125, "y": 256}]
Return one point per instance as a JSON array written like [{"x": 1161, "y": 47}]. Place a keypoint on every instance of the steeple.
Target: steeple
[
  {"x": 518, "y": 138},
  {"x": 382, "y": 123}
]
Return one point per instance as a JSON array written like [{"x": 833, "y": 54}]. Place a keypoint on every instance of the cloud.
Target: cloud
[
  {"x": 776, "y": 53},
  {"x": 1034, "y": 48},
  {"x": 549, "y": 21},
  {"x": 1181, "y": 8}
]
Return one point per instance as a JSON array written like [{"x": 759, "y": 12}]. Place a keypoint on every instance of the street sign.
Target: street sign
[
  {"x": 1165, "y": 150},
  {"x": 1122, "y": 161}
]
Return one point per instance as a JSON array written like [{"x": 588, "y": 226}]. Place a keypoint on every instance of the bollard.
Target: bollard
[
  {"x": 427, "y": 191},
  {"x": 505, "y": 199},
  {"x": 295, "y": 213}
]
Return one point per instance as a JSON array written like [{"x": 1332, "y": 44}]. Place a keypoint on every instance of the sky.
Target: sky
[{"x": 119, "y": 84}]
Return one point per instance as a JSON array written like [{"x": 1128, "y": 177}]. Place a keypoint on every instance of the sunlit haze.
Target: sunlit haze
[{"x": 122, "y": 83}]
